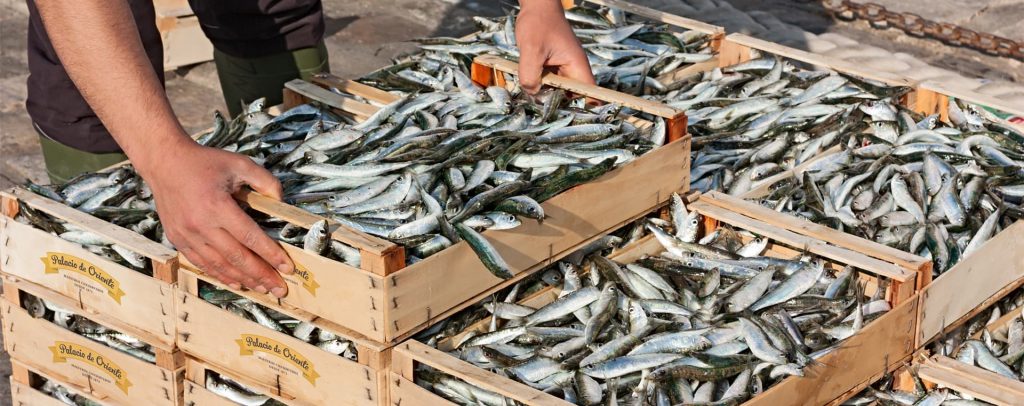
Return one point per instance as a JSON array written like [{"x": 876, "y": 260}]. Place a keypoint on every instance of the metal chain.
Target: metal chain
[{"x": 915, "y": 25}]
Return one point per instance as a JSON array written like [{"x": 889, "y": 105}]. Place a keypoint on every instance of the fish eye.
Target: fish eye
[{"x": 694, "y": 221}]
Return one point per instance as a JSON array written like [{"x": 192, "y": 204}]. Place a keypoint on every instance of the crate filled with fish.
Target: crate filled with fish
[
  {"x": 30, "y": 387},
  {"x": 933, "y": 188},
  {"x": 98, "y": 256},
  {"x": 631, "y": 48},
  {"x": 88, "y": 353},
  {"x": 290, "y": 353},
  {"x": 714, "y": 307},
  {"x": 978, "y": 362},
  {"x": 520, "y": 181}
]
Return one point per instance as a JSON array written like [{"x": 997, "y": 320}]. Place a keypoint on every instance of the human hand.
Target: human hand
[
  {"x": 545, "y": 39},
  {"x": 193, "y": 187}
]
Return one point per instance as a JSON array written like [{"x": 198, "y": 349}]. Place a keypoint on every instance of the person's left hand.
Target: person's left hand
[{"x": 546, "y": 40}]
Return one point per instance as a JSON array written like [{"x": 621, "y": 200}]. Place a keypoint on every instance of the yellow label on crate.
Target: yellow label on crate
[
  {"x": 59, "y": 261},
  {"x": 251, "y": 343},
  {"x": 63, "y": 350},
  {"x": 308, "y": 280}
]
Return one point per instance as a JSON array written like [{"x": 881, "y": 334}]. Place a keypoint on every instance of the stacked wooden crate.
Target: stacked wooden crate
[
  {"x": 116, "y": 297},
  {"x": 882, "y": 346}
]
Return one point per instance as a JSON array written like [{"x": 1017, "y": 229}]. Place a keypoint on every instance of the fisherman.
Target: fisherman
[{"x": 96, "y": 97}]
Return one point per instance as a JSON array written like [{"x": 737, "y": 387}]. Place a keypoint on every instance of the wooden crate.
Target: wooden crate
[
  {"x": 293, "y": 369},
  {"x": 882, "y": 346},
  {"x": 23, "y": 393},
  {"x": 387, "y": 301},
  {"x": 182, "y": 36},
  {"x": 104, "y": 372},
  {"x": 134, "y": 302}
]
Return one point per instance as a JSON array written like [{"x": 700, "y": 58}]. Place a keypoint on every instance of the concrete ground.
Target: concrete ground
[{"x": 365, "y": 34}]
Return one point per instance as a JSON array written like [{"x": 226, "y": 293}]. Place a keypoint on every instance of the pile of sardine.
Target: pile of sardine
[
  {"x": 898, "y": 178},
  {"x": 759, "y": 118},
  {"x": 42, "y": 309},
  {"x": 139, "y": 220},
  {"x": 707, "y": 321},
  {"x": 431, "y": 169},
  {"x": 63, "y": 394},
  {"x": 624, "y": 54},
  {"x": 277, "y": 321},
  {"x": 934, "y": 190},
  {"x": 236, "y": 391}
]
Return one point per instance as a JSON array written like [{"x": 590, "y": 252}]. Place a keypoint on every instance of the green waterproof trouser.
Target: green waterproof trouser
[
  {"x": 63, "y": 162},
  {"x": 246, "y": 79},
  {"x": 241, "y": 79}
]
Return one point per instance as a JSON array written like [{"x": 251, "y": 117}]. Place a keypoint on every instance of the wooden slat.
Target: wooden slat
[
  {"x": 305, "y": 219},
  {"x": 661, "y": 16},
  {"x": 115, "y": 234},
  {"x": 476, "y": 376},
  {"x": 688, "y": 71},
  {"x": 195, "y": 385},
  {"x": 811, "y": 58},
  {"x": 904, "y": 259},
  {"x": 1001, "y": 322},
  {"x": 809, "y": 244},
  {"x": 330, "y": 98},
  {"x": 991, "y": 272},
  {"x": 977, "y": 382},
  {"x": 353, "y": 87},
  {"x": 406, "y": 392},
  {"x": 607, "y": 95}
]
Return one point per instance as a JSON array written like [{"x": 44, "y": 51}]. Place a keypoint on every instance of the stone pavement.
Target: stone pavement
[{"x": 365, "y": 34}]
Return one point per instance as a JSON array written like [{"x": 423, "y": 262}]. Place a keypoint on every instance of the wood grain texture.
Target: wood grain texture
[
  {"x": 909, "y": 262},
  {"x": 992, "y": 271},
  {"x": 34, "y": 342},
  {"x": 301, "y": 370},
  {"x": 443, "y": 362},
  {"x": 135, "y": 302},
  {"x": 314, "y": 92},
  {"x": 661, "y": 16},
  {"x": 817, "y": 60},
  {"x": 972, "y": 380}
]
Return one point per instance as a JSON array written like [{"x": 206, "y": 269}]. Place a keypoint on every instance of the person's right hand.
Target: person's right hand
[{"x": 193, "y": 187}]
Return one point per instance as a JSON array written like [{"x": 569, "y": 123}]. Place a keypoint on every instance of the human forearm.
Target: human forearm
[
  {"x": 545, "y": 39},
  {"x": 98, "y": 44}
]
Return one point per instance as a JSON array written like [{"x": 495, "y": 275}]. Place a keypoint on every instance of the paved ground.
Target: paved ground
[{"x": 364, "y": 34}]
